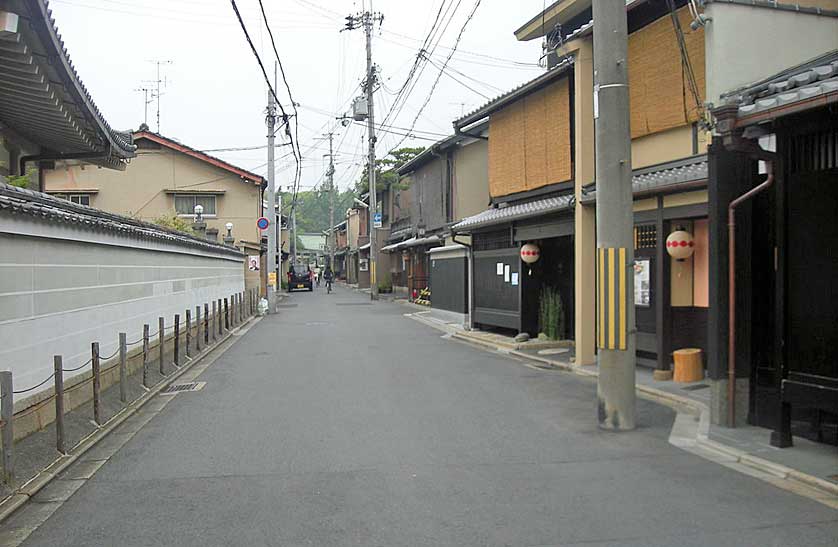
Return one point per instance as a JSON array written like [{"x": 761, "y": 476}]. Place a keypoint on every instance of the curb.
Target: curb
[
  {"x": 700, "y": 439},
  {"x": 31, "y": 487}
]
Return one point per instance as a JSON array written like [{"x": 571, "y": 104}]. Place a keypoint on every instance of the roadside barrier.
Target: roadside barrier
[{"x": 209, "y": 329}]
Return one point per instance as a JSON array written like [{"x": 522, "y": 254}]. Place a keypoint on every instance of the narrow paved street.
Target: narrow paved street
[{"x": 339, "y": 422}]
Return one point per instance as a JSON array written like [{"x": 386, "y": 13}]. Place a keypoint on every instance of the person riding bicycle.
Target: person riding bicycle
[{"x": 327, "y": 275}]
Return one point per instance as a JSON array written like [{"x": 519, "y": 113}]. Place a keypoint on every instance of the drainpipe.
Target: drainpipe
[{"x": 731, "y": 343}]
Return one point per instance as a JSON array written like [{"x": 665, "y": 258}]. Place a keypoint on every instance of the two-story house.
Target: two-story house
[{"x": 168, "y": 180}]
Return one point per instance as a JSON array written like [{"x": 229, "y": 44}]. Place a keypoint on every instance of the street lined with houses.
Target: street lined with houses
[
  {"x": 487, "y": 273},
  {"x": 406, "y": 440}
]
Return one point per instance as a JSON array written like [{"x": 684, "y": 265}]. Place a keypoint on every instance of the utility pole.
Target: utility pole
[
  {"x": 271, "y": 256},
  {"x": 367, "y": 20},
  {"x": 294, "y": 232},
  {"x": 614, "y": 220},
  {"x": 331, "y": 174}
]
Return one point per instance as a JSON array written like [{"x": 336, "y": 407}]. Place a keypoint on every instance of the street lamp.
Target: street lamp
[
  {"x": 198, "y": 225},
  {"x": 199, "y": 211}
]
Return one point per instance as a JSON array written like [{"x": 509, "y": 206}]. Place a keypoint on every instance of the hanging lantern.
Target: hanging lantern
[
  {"x": 530, "y": 253},
  {"x": 680, "y": 245}
]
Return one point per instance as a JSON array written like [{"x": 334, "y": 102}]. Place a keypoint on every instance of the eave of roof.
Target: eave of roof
[
  {"x": 15, "y": 200},
  {"x": 59, "y": 117},
  {"x": 680, "y": 174},
  {"x": 804, "y": 86},
  {"x": 202, "y": 156},
  {"x": 513, "y": 95},
  {"x": 781, "y": 6},
  {"x": 518, "y": 211}
]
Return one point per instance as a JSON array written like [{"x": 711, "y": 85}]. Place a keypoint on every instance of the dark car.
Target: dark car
[{"x": 300, "y": 277}]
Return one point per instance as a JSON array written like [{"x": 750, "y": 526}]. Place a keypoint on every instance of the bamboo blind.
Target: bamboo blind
[
  {"x": 529, "y": 141},
  {"x": 658, "y": 90}
]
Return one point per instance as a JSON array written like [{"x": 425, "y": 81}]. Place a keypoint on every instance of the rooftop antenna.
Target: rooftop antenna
[
  {"x": 146, "y": 102},
  {"x": 156, "y": 93}
]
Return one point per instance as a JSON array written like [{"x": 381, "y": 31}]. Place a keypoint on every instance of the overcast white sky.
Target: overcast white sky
[{"x": 215, "y": 96}]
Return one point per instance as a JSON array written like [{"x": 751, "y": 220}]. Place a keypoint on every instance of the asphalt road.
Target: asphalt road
[{"x": 344, "y": 423}]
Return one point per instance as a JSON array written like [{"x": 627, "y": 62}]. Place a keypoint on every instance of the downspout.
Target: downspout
[
  {"x": 731, "y": 230},
  {"x": 470, "y": 263}
]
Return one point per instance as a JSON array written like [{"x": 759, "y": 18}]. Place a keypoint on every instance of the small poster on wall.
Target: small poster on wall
[
  {"x": 499, "y": 268},
  {"x": 514, "y": 279},
  {"x": 253, "y": 263},
  {"x": 642, "y": 297},
  {"x": 364, "y": 264},
  {"x": 506, "y": 273}
]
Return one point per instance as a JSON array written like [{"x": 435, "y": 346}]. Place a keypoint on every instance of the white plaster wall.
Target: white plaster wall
[
  {"x": 746, "y": 44},
  {"x": 63, "y": 287}
]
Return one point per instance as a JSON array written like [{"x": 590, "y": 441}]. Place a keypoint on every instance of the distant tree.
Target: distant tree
[{"x": 386, "y": 169}]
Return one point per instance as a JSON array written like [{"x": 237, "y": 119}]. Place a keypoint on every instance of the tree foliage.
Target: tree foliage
[
  {"x": 174, "y": 222},
  {"x": 313, "y": 209},
  {"x": 386, "y": 169}
]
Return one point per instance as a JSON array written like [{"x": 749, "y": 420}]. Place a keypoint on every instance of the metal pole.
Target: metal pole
[
  {"x": 331, "y": 173},
  {"x": 368, "y": 22},
  {"x": 7, "y": 414},
  {"x": 614, "y": 218},
  {"x": 145, "y": 355},
  {"x": 59, "y": 403},
  {"x": 270, "y": 193},
  {"x": 97, "y": 385},
  {"x": 123, "y": 370},
  {"x": 161, "y": 344},
  {"x": 177, "y": 340}
]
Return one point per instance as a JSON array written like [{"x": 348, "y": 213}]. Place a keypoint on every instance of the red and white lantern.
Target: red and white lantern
[
  {"x": 680, "y": 245},
  {"x": 530, "y": 253}
]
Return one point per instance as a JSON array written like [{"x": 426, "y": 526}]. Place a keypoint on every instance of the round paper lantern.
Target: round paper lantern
[
  {"x": 680, "y": 245},
  {"x": 530, "y": 253}
]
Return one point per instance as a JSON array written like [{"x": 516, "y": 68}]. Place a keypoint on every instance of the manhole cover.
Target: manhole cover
[
  {"x": 552, "y": 351},
  {"x": 353, "y": 303},
  {"x": 695, "y": 387},
  {"x": 174, "y": 389}
]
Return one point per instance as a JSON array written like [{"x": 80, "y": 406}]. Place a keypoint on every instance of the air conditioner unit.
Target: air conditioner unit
[{"x": 360, "y": 109}]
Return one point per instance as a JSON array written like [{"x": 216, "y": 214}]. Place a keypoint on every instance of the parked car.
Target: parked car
[{"x": 300, "y": 277}]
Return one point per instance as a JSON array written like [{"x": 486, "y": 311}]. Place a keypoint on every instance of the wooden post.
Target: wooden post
[
  {"x": 198, "y": 329},
  {"x": 161, "y": 344},
  {"x": 59, "y": 403},
  {"x": 241, "y": 307},
  {"x": 214, "y": 319},
  {"x": 97, "y": 384},
  {"x": 206, "y": 325},
  {"x": 188, "y": 330},
  {"x": 123, "y": 369},
  {"x": 7, "y": 414},
  {"x": 177, "y": 340},
  {"x": 226, "y": 314},
  {"x": 145, "y": 355},
  {"x": 220, "y": 323}
]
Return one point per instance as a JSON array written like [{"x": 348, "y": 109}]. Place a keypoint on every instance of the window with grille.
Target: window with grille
[
  {"x": 185, "y": 204},
  {"x": 645, "y": 236},
  {"x": 490, "y": 241}
]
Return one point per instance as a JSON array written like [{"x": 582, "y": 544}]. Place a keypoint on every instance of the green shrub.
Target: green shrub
[{"x": 551, "y": 314}]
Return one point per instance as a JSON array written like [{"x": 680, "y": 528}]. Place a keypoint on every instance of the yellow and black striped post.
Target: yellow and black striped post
[{"x": 612, "y": 317}]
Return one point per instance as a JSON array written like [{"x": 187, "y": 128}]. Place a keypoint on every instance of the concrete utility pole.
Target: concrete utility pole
[
  {"x": 271, "y": 257},
  {"x": 367, "y": 20},
  {"x": 332, "y": 243},
  {"x": 614, "y": 219},
  {"x": 294, "y": 233}
]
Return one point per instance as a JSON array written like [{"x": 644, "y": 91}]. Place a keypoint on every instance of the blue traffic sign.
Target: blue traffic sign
[
  {"x": 376, "y": 220},
  {"x": 263, "y": 223}
]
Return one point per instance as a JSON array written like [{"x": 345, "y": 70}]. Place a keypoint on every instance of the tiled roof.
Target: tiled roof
[
  {"x": 19, "y": 201},
  {"x": 659, "y": 177},
  {"x": 44, "y": 100},
  {"x": 818, "y": 78},
  {"x": 499, "y": 215}
]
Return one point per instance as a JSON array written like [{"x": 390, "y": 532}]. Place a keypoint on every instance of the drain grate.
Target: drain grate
[
  {"x": 353, "y": 304},
  {"x": 174, "y": 389},
  {"x": 695, "y": 387}
]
